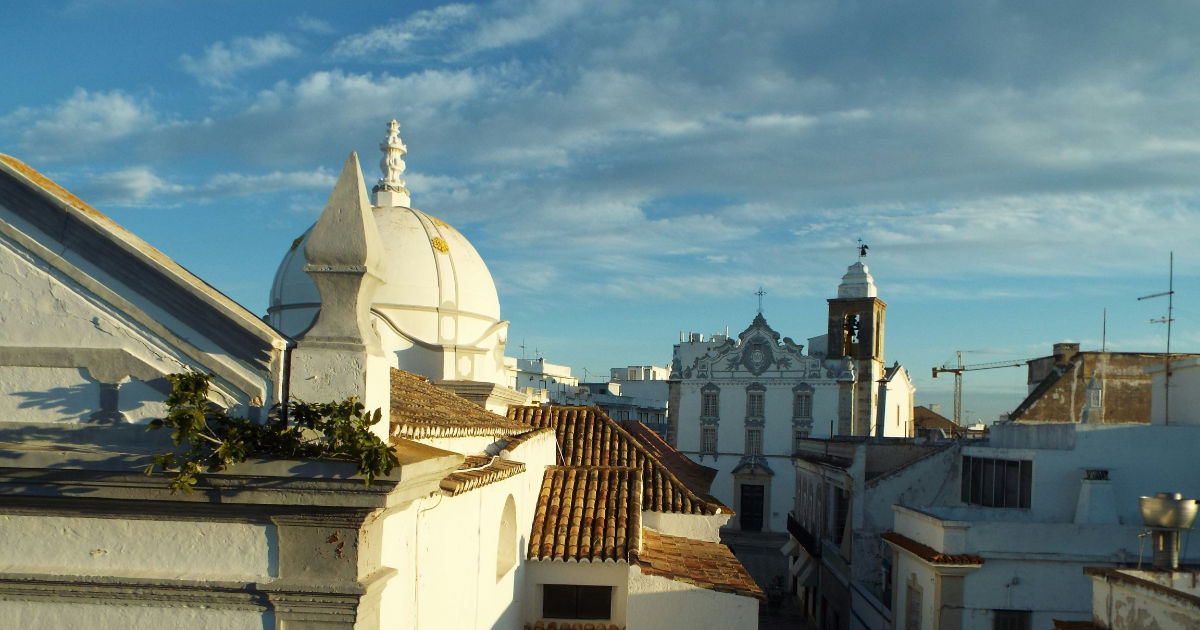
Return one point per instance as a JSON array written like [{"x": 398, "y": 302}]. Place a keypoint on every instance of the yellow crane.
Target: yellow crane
[{"x": 958, "y": 369}]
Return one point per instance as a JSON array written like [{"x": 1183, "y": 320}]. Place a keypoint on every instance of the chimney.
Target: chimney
[{"x": 1064, "y": 352}]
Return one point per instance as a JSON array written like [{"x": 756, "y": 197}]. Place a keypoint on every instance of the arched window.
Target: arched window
[{"x": 506, "y": 545}]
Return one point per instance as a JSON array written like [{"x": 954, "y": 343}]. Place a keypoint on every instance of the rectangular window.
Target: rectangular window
[
  {"x": 1012, "y": 620},
  {"x": 803, "y": 406},
  {"x": 708, "y": 440},
  {"x": 912, "y": 607},
  {"x": 710, "y": 404},
  {"x": 798, "y": 435},
  {"x": 570, "y": 601},
  {"x": 754, "y": 404},
  {"x": 992, "y": 482},
  {"x": 754, "y": 442}
]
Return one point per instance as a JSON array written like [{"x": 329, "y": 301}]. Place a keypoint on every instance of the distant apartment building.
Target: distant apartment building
[
  {"x": 1111, "y": 387},
  {"x": 840, "y": 568},
  {"x": 1019, "y": 516}
]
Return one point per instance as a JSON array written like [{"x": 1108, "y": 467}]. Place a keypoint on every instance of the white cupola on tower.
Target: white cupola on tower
[
  {"x": 857, "y": 283},
  {"x": 437, "y": 312}
]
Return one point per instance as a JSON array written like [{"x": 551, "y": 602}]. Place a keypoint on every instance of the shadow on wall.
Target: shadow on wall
[{"x": 94, "y": 401}]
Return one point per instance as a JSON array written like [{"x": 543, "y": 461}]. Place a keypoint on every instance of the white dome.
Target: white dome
[
  {"x": 436, "y": 312},
  {"x": 414, "y": 281}
]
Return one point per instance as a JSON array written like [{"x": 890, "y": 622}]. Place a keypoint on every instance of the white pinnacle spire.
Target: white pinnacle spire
[{"x": 390, "y": 190}]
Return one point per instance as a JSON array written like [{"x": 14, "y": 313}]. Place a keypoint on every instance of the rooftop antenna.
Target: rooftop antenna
[
  {"x": 1170, "y": 293},
  {"x": 1104, "y": 332},
  {"x": 760, "y": 293},
  {"x": 522, "y": 346}
]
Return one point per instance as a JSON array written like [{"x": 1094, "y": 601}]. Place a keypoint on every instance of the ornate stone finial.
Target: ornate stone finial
[
  {"x": 390, "y": 190},
  {"x": 345, "y": 259}
]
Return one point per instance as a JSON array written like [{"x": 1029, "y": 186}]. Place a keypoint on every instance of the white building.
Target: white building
[
  {"x": 845, "y": 489},
  {"x": 542, "y": 381},
  {"x": 742, "y": 405},
  {"x": 455, "y": 537},
  {"x": 1022, "y": 514}
]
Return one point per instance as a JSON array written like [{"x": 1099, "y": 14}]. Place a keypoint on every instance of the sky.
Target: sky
[{"x": 630, "y": 171}]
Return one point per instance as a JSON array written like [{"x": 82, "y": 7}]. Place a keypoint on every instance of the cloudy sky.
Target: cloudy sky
[{"x": 631, "y": 172}]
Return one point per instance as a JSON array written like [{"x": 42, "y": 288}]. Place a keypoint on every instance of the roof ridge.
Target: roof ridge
[
  {"x": 553, "y": 414},
  {"x": 129, "y": 241}
]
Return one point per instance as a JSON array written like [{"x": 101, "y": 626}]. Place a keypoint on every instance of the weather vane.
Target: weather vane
[{"x": 862, "y": 249}]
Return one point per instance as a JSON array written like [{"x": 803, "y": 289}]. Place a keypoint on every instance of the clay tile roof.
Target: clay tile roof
[
  {"x": 516, "y": 440},
  {"x": 929, "y": 554},
  {"x": 695, "y": 476},
  {"x": 478, "y": 471},
  {"x": 587, "y": 513},
  {"x": 701, "y": 563},
  {"x": 588, "y": 437},
  {"x": 420, "y": 410}
]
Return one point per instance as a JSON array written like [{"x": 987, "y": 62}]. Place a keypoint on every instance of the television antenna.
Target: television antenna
[{"x": 1170, "y": 293}]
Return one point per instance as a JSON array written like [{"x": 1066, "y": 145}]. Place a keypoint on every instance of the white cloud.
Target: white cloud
[
  {"x": 530, "y": 22},
  {"x": 140, "y": 186},
  {"x": 221, "y": 62},
  {"x": 312, "y": 25},
  {"x": 393, "y": 39},
  {"x": 83, "y": 120}
]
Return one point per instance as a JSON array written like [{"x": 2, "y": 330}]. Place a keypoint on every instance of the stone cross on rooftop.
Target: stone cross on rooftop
[{"x": 390, "y": 190}]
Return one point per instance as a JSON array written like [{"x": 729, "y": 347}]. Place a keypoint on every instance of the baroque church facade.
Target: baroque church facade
[
  {"x": 527, "y": 519},
  {"x": 742, "y": 405}
]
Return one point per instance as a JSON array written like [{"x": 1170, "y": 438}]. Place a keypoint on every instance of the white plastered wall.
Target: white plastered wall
[
  {"x": 445, "y": 550},
  {"x": 656, "y": 602}
]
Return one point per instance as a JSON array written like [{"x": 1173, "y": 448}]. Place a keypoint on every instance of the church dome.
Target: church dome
[{"x": 437, "y": 310}]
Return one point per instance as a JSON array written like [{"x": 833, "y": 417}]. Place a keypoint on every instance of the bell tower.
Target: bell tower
[{"x": 856, "y": 323}]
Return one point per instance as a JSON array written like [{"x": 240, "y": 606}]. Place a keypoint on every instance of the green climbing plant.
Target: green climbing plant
[{"x": 209, "y": 440}]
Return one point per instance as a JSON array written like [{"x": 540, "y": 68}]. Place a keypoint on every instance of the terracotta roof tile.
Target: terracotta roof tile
[
  {"x": 701, "y": 563},
  {"x": 587, "y": 513},
  {"x": 588, "y": 437},
  {"x": 478, "y": 471},
  {"x": 516, "y": 440},
  {"x": 696, "y": 477},
  {"x": 929, "y": 554},
  {"x": 420, "y": 410}
]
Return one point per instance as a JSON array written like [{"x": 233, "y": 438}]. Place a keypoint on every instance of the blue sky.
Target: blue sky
[{"x": 631, "y": 170}]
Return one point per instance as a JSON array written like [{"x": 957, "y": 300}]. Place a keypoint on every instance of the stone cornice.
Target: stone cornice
[
  {"x": 132, "y": 591},
  {"x": 81, "y": 474}
]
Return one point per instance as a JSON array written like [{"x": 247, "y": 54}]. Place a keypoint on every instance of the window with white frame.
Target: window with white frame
[
  {"x": 708, "y": 440},
  {"x": 710, "y": 401},
  {"x": 798, "y": 435},
  {"x": 754, "y": 440},
  {"x": 755, "y": 394},
  {"x": 802, "y": 400}
]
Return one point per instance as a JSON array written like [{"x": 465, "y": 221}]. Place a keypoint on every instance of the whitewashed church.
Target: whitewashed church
[
  {"x": 527, "y": 518},
  {"x": 741, "y": 405}
]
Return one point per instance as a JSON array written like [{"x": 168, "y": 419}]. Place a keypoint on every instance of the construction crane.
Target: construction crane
[{"x": 957, "y": 371}]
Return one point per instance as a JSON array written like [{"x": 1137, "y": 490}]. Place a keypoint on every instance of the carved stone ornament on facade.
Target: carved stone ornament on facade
[{"x": 757, "y": 356}]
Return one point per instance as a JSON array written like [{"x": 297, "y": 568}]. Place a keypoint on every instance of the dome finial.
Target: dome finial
[{"x": 390, "y": 190}]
